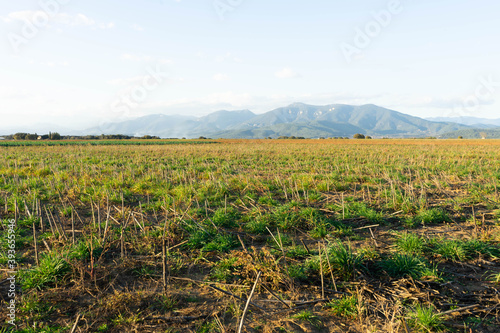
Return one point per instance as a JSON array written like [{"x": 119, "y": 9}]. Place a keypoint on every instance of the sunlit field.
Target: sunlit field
[{"x": 330, "y": 235}]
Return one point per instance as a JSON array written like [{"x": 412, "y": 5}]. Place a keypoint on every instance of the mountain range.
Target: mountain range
[
  {"x": 469, "y": 121},
  {"x": 300, "y": 120},
  {"x": 334, "y": 120}
]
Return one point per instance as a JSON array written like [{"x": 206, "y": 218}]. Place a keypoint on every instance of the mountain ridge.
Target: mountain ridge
[
  {"x": 469, "y": 121},
  {"x": 297, "y": 119}
]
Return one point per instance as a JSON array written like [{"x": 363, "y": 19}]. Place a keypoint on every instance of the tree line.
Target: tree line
[{"x": 57, "y": 136}]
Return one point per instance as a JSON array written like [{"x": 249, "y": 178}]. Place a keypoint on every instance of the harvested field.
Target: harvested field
[{"x": 331, "y": 235}]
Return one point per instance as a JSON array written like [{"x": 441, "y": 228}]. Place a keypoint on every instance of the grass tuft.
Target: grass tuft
[
  {"x": 51, "y": 270},
  {"x": 409, "y": 243},
  {"x": 425, "y": 319},
  {"x": 402, "y": 265},
  {"x": 346, "y": 307}
]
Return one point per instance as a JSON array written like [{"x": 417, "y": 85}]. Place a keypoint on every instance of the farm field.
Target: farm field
[{"x": 290, "y": 235}]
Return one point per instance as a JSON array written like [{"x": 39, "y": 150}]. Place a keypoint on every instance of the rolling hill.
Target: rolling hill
[
  {"x": 474, "y": 133},
  {"x": 294, "y": 120},
  {"x": 470, "y": 121}
]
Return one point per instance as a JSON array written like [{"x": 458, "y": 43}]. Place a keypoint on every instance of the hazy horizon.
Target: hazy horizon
[{"x": 76, "y": 64}]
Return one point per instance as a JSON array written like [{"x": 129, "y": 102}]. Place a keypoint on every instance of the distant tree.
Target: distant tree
[
  {"x": 358, "y": 136},
  {"x": 54, "y": 136},
  {"x": 149, "y": 137},
  {"x": 369, "y": 137},
  {"x": 460, "y": 137},
  {"x": 31, "y": 137},
  {"x": 20, "y": 136}
]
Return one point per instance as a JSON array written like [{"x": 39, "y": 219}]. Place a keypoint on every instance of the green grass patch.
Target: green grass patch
[
  {"x": 409, "y": 243},
  {"x": 340, "y": 257},
  {"x": 462, "y": 250},
  {"x": 346, "y": 307},
  {"x": 403, "y": 265},
  {"x": 52, "y": 269},
  {"x": 425, "y": 319}
]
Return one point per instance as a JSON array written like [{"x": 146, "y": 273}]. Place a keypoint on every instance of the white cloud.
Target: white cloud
[
  {"x": 138, "y": 80},
  {"x": 105, "y": 26},
  {"x": 126, "y": 81},
  {"x": 228, "y": 98},
  {"x": 216, "y": 101},
  {"x": 72, "y": 20},
  {"x": 144, "y": 58},
  {"x": 19, "y": 16},
  {"x": 201, "y": 55},
  {"x": 221, "y": 77},
  {"x": 450, "y": 102},
  {"x": 134, "y": 57},
  {"x": 137, "y": 27},
  {"x": 228, "y": 57},
  {"x": 286, "y": 73},
  {"x": 15, "y": 93},
  {"x": 49, "y": 63}
]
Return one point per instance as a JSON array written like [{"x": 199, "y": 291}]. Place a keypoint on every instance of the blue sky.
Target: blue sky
[{"x": 98, "y": 61}]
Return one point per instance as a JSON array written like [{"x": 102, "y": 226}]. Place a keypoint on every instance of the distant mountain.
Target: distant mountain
[
  {"x": 159, "y": 125},
  {"x": 175, "y": 126},
  {"x": 220, "y": 120},
  {"x": 294, "y": 120},
  {"x": 337, "y": 120},
  {"x": 39, "y": 128},
  {"x": 469, "y": 121},
  {"x": 474, "y": 133}
]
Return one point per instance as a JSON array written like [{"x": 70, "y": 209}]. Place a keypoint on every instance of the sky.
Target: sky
[{"x": 74, "y": 64}]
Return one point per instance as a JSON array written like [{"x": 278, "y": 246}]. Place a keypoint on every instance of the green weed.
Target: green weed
[
  {"x": 425, "y": 319},
  {"x": 308, "y": 316},
  {"x": 346, "y": 307},
  {"x": 432, "y": 216},
  {"x": 401, "y": 265},
  {"x": 52, "y": 269},
  {"x": 409, "y": 243}
]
